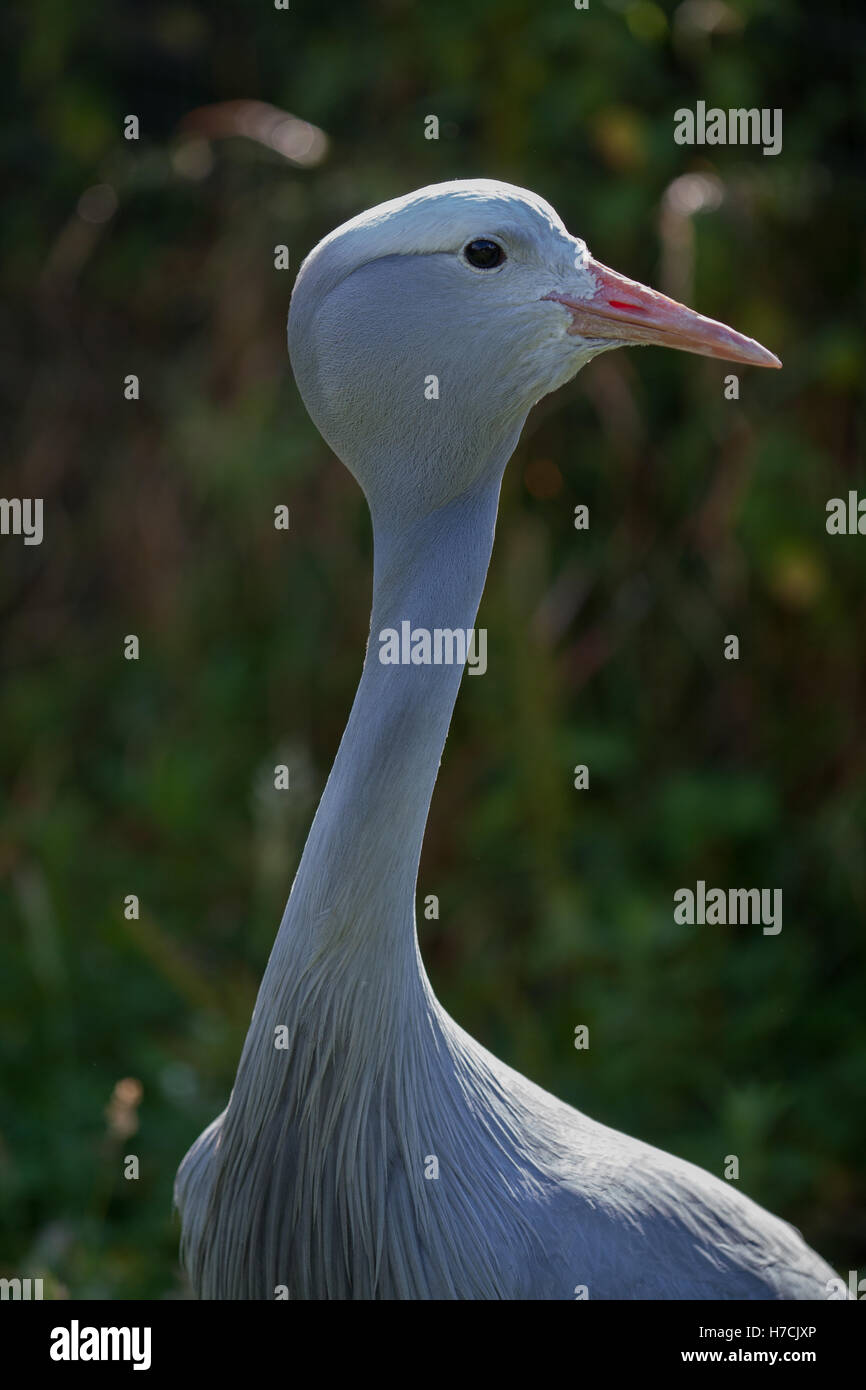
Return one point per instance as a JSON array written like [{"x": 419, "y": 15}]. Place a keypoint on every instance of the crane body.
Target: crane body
[{"x": 380, "y": 1152}]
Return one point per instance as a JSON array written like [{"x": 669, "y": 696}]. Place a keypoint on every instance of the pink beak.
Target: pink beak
[{"x": 621, "y": 309}]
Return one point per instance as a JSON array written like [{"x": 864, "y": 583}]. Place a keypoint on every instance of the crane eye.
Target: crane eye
[{"x": 484, "y": 254}]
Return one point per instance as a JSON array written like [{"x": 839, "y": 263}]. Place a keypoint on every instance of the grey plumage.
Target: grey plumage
[{"x": 313, "y": 1178}]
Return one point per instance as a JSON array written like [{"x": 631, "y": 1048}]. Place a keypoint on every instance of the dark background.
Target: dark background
[{"x": 156, "y": 257}]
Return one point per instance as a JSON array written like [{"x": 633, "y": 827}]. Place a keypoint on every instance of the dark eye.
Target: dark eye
[{"x": 484, "y": 254}]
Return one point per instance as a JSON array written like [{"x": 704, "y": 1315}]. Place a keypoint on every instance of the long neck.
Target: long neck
[
  {"x": 320, "y": 1154},
  {"x": 354, "y": 890}
]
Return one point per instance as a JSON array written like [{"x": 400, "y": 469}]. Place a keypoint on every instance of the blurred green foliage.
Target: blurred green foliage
[{"x": 707, "y": 517}]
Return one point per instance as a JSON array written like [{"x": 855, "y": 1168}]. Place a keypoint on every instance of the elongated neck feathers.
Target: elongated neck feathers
[{"x": 352, "y": 1077}]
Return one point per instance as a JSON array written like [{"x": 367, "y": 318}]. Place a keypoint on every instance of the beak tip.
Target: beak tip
[{"x": 769, "y": 360}]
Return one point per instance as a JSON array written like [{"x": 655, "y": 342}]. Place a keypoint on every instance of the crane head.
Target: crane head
[{"x": 422, "y": 331}]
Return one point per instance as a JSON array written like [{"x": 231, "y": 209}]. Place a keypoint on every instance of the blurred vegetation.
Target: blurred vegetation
[{"x": 156, "y": 257}]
